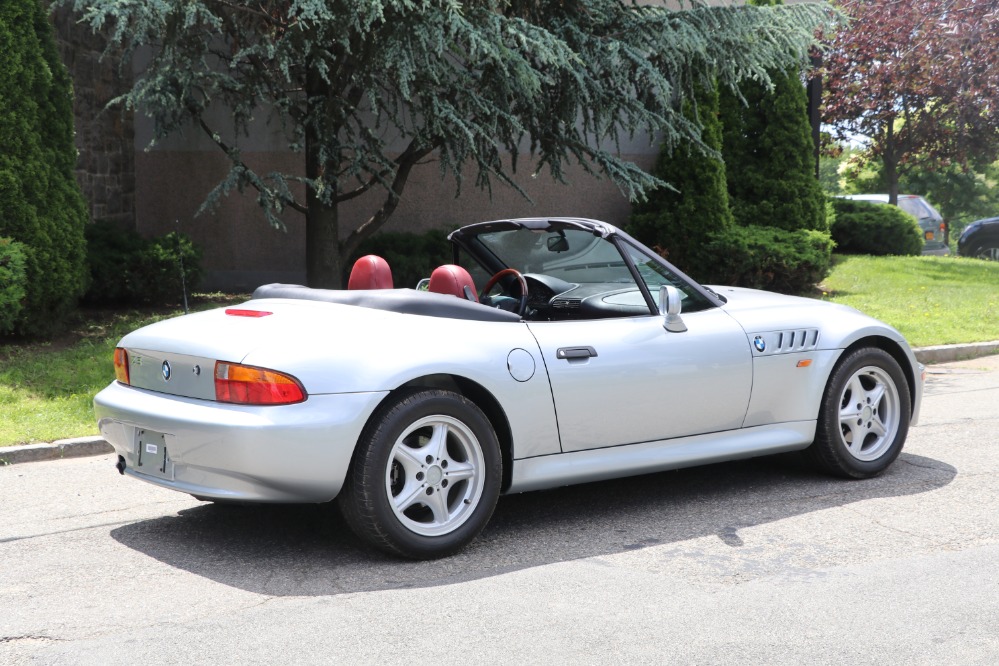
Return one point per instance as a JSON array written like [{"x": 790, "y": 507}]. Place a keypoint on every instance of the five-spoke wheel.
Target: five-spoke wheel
[
  {"x": 435, "y": 475},
  {"x": 864, "y": 415},
  {"x": 425, "y": 477}
]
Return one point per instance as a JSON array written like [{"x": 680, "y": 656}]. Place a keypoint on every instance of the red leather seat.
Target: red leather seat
[
  {"x": 454, "y": 280},
  {"x": 370, "y": 272}
]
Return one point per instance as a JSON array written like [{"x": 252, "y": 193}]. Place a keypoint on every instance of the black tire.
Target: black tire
[
  {"x": 864, "y": 416},
  {"x": 432, "y": 504},
  {"x": 988, "y": 251}
]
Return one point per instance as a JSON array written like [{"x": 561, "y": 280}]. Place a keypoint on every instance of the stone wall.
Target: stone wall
[{"x": 104, "y": 137}]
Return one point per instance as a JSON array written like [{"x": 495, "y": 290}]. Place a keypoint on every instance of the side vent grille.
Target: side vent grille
[{"x": 784, "y": 342}]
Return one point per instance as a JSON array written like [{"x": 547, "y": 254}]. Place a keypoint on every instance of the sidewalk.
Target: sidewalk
[{"x": 93, "y": 446}]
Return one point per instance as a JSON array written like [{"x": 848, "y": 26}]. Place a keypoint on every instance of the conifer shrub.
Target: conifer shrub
[
  {"x": 40, "y": 202},
  {"x": 12, "y": 283},
  {"x": 864, "y": 227},
  {"x": 679, "y": 221},
  {"x": 769, "y": 153},
  {"x": 788, "y": 262}
]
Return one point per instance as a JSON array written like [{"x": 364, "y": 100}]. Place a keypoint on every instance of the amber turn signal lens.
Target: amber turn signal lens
[
  {"x": 121, "y": 365},
  {"x": 248, "y": 385}
]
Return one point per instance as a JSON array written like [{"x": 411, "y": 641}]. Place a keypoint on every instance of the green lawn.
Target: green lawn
[
  {"x": 46, "y": 389},
  {"x": 931, "y": 300}
]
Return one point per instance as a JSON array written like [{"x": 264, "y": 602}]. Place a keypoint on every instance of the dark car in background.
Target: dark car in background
[
  {"x": 980, "y": 239},
  {"x": 931, "y": 222}
]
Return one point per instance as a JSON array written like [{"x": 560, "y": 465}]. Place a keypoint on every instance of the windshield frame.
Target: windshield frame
[{"x": 466, "y": 238}]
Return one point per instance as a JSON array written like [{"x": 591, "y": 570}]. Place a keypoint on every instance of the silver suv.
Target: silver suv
[{"x": 930, "y": 221}]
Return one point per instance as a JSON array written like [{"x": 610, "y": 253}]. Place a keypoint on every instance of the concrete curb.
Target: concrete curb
[
  {"x": 95, "y": 446},
  {"x": 63, "y": 448},
  {"x": 949, "y": 353}
]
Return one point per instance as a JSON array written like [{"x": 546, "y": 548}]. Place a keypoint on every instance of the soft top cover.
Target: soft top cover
[{"x": 403, "y": 301}]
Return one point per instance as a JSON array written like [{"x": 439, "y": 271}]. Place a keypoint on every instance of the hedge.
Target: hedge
[
  {"x": 864, "y": 227},
  {"x": 12, "y": 283}
]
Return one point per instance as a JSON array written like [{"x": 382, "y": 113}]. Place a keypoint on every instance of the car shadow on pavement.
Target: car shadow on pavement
[{"x": 307, "y": 550}]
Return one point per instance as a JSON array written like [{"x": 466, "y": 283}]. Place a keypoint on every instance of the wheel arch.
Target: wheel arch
[
  {"x": 895, "y": 350},
  {"x": 481, "y": 397}
]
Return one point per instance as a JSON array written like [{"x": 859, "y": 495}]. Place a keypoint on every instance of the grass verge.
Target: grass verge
[
  {"x": 47, "y": 389},
  {"x": 930, "y": 300}
]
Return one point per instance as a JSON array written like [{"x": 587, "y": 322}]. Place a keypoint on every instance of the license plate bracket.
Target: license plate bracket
[{"x": 152, "y": 455}]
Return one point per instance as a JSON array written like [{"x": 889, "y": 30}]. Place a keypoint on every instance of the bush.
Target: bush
[
  {"x": 411, "y": 256},
  {"x": 769, "y": 153},
  {"x": 680, "y": 220},
  {"x": 862, "y": 227},
  {"x": 127, "y": 269},
  {"x": 40, "y": 202},
  {"x": 12, "y": 283},
  {"x": 789, "y": 262}
]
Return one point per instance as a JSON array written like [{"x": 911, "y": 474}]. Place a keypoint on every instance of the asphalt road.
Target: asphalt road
[{"x": 751, "y": 562}]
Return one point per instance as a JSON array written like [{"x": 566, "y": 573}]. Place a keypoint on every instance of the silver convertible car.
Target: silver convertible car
[{"x": 551, "y": 352}]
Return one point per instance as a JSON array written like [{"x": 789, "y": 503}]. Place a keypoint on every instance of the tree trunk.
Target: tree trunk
[
  {"x": 323, "y": 267},
  {"x": 891, "y": 165}
]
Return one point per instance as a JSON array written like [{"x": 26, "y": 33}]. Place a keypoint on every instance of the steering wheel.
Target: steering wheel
[{"x": 522, "y": 307}]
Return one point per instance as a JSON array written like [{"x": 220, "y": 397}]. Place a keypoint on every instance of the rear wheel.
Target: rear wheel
[
  {"x": 988, "y": 251},
  {"x": 864, "y": 416},
  {"x": 425, "y": 477}
]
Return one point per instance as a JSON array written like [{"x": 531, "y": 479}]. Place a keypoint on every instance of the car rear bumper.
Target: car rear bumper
[{"x": 291, "y": 453}]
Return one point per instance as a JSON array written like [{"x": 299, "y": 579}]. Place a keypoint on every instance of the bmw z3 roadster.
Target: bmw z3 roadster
[{"x": 550, "y": 352}]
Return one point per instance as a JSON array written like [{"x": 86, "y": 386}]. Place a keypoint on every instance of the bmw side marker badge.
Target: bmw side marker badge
[{"x": 760, "y": 344}]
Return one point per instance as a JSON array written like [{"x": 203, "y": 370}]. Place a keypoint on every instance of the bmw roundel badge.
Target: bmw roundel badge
[
  {"x": 166, "y": 371},
  {"x": 758, "y": 342}
]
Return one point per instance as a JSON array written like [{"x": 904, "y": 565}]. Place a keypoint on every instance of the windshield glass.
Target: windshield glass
[
  {"x": 572, "y": 255},
  {"x": 585, "y": 266}
]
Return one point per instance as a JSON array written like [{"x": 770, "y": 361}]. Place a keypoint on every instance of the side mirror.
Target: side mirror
[{"x": 669, "y": 307}]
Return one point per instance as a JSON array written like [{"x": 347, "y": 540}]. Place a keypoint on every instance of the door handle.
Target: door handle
[{"x": 570, "y": 353}]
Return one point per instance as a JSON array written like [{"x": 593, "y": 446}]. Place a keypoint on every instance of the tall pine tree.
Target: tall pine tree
[
  {"x": 40, "y": 202},
  {"x": 679, "y": 222},
  {"x": 767, "y": 146}
]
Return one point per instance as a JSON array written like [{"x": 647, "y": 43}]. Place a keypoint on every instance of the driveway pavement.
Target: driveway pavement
[{"x": 752, "y": 562}]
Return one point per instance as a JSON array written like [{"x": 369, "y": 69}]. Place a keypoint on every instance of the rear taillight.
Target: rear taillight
[
  {"x": 247, "y": 385},
  {"x": 121, "y": 365}
]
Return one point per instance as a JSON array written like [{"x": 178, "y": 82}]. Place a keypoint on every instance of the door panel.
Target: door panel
[{"x": 638, "y": 383}]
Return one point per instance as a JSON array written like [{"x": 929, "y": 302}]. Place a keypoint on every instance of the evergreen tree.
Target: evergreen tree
[
  {"x": 678, "y": 221},
  {"x": 366, "y": 90},
  {"x": 40, "y": 202},
  {"x": 768, "y": 153}
]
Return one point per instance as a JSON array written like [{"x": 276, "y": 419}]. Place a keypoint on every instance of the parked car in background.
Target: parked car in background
[
  {"x": 980, "y": 239},
  {"x": 930, "y": 220}
]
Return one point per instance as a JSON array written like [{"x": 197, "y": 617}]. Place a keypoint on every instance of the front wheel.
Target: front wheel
[
  {"x": 864, "y": 416},
  {"x": 425, "y": 477}
]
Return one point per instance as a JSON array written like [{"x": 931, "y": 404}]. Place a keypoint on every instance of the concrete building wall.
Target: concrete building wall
[{"x": 105, "y": 139}]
